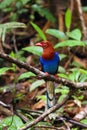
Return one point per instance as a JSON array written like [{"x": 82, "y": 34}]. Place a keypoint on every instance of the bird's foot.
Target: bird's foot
[
  {"x": 47, "y": 74},
  {"x": 56, "y": 75}
]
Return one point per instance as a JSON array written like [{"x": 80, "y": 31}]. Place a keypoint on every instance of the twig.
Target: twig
[
  {"x": 24, "y": 118},
  {"x": 5, "y": 111},
  {"x": 20, "y": 64},
  {"x": 31, "y": 111},
  {"x": 49, "y": 127},
  {"x": 71, "y": 121},
  {"x": 84, "y": 29},
  {"x": 52, "y": 109},
  {"x": 42, "y": 75}
]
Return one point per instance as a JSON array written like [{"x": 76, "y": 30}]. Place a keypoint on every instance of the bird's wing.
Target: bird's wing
[{"x": 41, "y": 62}]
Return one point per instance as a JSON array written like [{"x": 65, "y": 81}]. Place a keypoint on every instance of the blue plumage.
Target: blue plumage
[{"x": 50, "y": 66}]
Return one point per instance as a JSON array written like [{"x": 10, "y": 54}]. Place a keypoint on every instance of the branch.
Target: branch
[
  {"x": 42, "y": 75},
  {"x": 52, "y": 109},
  {"x": 80, "y": 13},
  {"x": 20, "y": 64},
  {"x": 72, "y": 121}
]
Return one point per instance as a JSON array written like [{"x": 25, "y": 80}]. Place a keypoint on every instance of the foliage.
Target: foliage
[
  {"x": 75, "y": 34},
  {"x": 84, "y": 8},
  {"x": 69, "y": 43},
  {"x": 63, "y": 90},
  {"x": 36, "y": 50},
  {"x": 3, "y": 70},
  {"x": 12, "y": 122},
  {"x": 68, "y": 19},
  {"x": 56, "y": 33},
  {"x": 75, "y": 74},
  {"x": 40, "y": 32},
  {"x": 84, "y": 121},
  {"x": 36, "y": 84},
  {"x": 3, "y": 28},
  {"x": 71, "y": 38},
  {"x": 43, "y": 12},
  {"x": 24, "y": 7},
  {"x": 26, "y": 75},
  {"x": 10, "y": 25}
]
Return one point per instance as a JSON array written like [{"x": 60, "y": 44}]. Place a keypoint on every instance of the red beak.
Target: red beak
[{"x": 38, "y": 44}]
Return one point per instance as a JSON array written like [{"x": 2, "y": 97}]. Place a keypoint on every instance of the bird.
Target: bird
[{"x": 49, "y": 61}]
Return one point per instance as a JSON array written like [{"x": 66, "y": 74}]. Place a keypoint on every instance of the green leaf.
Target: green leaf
[
  {"x": 9, "y": 25},
  {"x": 76, "y": 64},
  {"x": 85, "y": 41},
  {"x": 5, "y": 3},
  {"x": 6, "y": 88},
  {"x": 61, "y": 97},
  {"x": 8, "y": 9},
  {"x": 13, "y": 17},
  {"x": 41, "y": 97},
  {"x": 42, "y": 123},
  {"x": 39, "y": 31},
  {"x": 18, "y": 122},
  {"x": 47, "y": 14},
  {"x": 1, "y": 31},
  {"x": 34, "y": 49},
  {"x": 70, "y": 43},
  {"x": 84, "y": 121},
  {"x": 3, "y": 35},
  {"x": 13, "y": 123},
  {"x": 12, "y": 54},
  {"x": 36, "y": 84},
  {"x": 61, "y": 70},
  {"x": 63, "y": 90},
  {"x": 18, "y": 96},
  {"x": 74, "y": 76},
  {"x": 4, "y": 69},
  {"x": 83, "y": 75},
  {"x": 62, "y": 56},
  {"x": 24, "y": 1},
  {"x": 83, "y": 71},
  {"x": 75, "y": 34},
  {"x": 68, "y": 18},
  {"x": 84, "y": 8},
  {"x": 56, "y": 33},
  {"x": 43, "y": 12},
  {"x": 83, "y": 78},
  {"x": 26, "y": 75},
  {"x": 63, "y": 75},
  {"x": 13, "y": 25}
]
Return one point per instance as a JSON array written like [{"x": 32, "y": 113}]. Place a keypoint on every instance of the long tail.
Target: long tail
[{"x": 50, "y": 94}]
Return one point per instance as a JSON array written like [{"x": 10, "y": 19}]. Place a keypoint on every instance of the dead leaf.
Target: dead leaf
[
  {"x": 38, "y": 105},
  {"x": 82, "y": 114}
]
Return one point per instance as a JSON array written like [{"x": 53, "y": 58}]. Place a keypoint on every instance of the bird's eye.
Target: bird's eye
[{"x": 45, "y": 45}]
